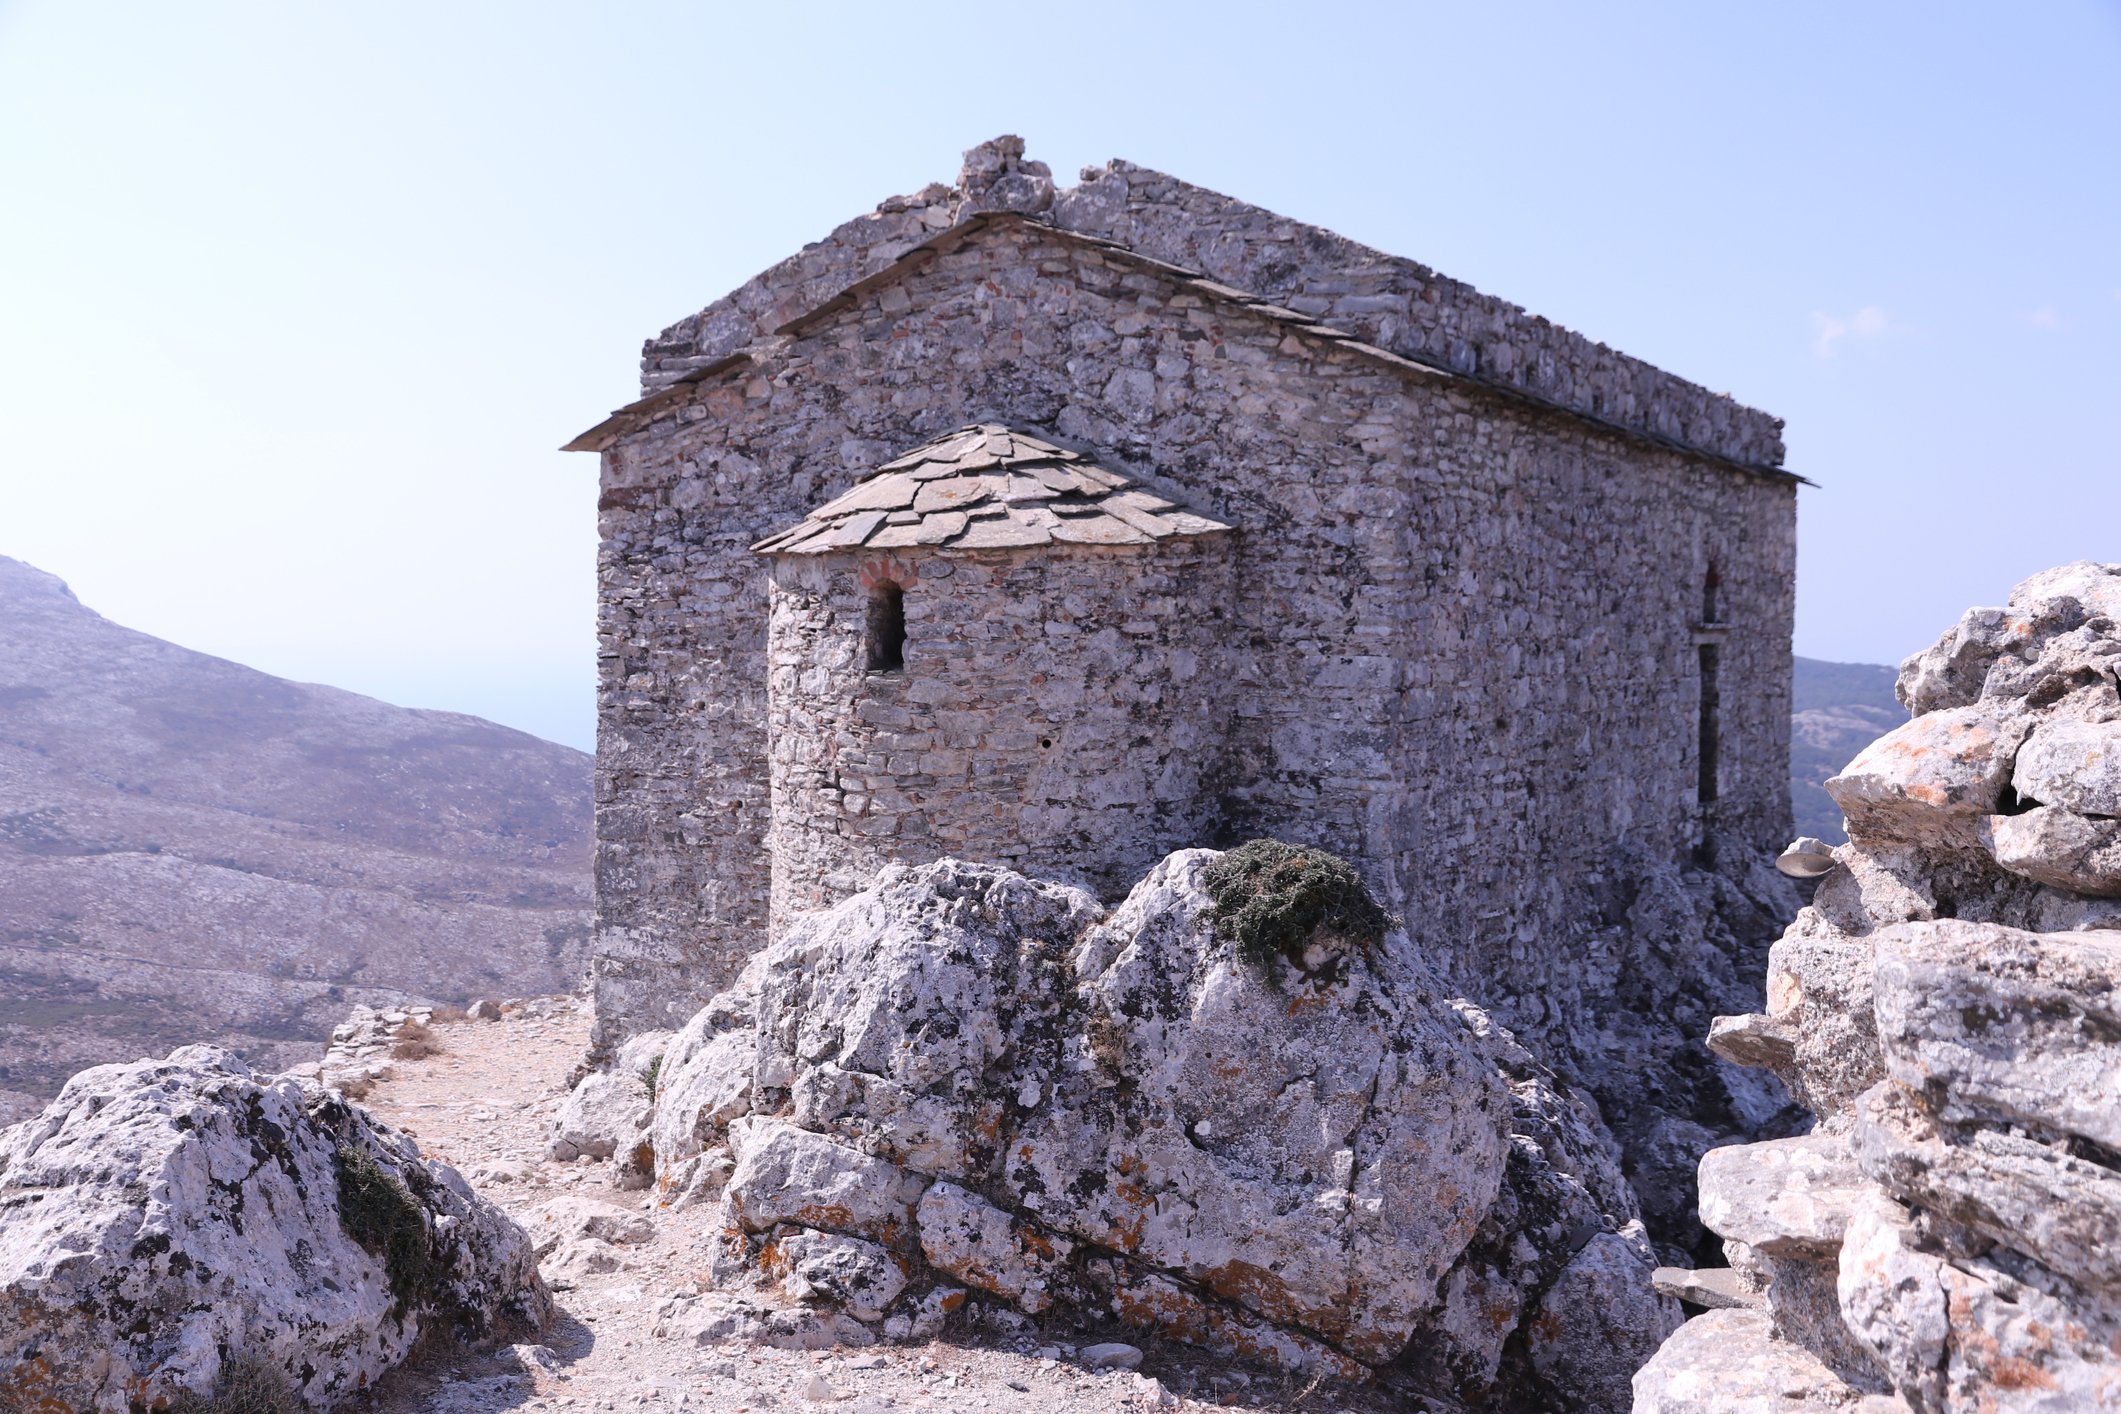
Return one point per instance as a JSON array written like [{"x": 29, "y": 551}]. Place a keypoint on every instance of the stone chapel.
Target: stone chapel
[{"x": 1063, "y": 528}]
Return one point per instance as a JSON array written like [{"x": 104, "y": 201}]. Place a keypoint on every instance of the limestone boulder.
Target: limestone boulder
[
  {"x": 160, "y": 1217},
  {"x": 2058, "y": 624},
  {"x": 1819, "y": 995},
  {"x": 2059, "y": 848},
  {"x": 1731, "y": 1362},
  {"x": 607, "y": 1113},
  {"x": 1598, "y": 1322},
  {"x": 1952, "y": 671},
  {"x": 2062, "y": 1210},
  {"x": 1317, "y": 1150},
  {"x": 924, "y": 1015},
  {"x": 1961, "y": 1335},
  {"x": 1782, "y": 1197},
  {"x": 1930, "y": 781},
  {"x": 786, "y": 1174},
  {"x": 704, "y": 1082},
  {"x": 860, "y": 1276},
  {"x": 2073, "y": 764},
  {"x": 1007, "y": 1091},
  {"x": 1998, "y": 1024},
  {"x": 984, "y": 1247},
  {"x": 567, "y": 1219}
]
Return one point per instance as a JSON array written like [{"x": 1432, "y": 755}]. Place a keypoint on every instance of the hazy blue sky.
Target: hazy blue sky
[{"x": 296, "y": 301}]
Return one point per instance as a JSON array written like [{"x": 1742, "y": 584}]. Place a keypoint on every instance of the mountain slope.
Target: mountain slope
[
  {"x": 1837, "y": 709},
  {"x": 193, "y": 850}
]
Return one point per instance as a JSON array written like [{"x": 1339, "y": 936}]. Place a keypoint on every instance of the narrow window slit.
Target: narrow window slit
[
  {"x": 887, "y": 628},
  {"x": 1710, "y": 727}
]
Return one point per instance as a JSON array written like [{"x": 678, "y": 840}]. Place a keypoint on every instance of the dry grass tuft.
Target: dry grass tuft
[
  {"x": 415, "y": 1042},
  {"x": 248, "y": 1386}
]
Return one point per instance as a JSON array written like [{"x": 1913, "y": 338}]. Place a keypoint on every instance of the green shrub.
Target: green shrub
[
  {"x": 652, "y": 1076},
  {"x": 247, "y": 1386},
  {"x": 378, "y": 1212},
  {"x": 1274, "y": 899}
]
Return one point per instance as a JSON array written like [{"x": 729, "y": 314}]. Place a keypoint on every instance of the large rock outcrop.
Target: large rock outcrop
[
  {"x": 163, "y": 1221},
  {"x": 1948, "y": 1238},
  {"x": 963, "y": 1085}
]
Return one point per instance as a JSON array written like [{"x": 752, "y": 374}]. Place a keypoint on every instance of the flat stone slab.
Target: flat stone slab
[
  {"x": 1717, "y": 1288},
  {"x": 1784, "y": 1197},
  {"x": 1730, "y": 1362}
]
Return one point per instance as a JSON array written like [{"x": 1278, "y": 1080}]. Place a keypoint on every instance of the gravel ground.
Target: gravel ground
[{"x": 483, "y": 1104}]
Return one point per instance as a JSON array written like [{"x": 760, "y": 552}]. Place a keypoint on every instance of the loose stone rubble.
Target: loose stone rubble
[
  {"x": 359, "y": 1054},
  {"x": 966, "y": 1091},
  {"x": 1949, "y": 1237},
  {"x": 162, "y": 1219}
]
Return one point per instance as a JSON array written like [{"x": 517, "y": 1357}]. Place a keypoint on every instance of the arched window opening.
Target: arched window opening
[
  {"x": 1712, "y": 595},
  {"x": 887, "y": 628}
]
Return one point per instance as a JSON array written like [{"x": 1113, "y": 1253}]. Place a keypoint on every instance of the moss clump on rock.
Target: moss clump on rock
[
  {"x": 247, "y": 1386},
  {"x": 1274, "y": 900},
  {"x": 378, "y": 1212}
]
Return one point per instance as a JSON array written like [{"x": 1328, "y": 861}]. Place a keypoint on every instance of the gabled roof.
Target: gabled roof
[
  {"x": 989, "y": 487},
  {"x": 624, "y": 421}
]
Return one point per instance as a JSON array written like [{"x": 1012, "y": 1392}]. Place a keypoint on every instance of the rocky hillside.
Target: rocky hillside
[
  {"x": 1836, "y": 710},
  {"x": 191, "y": 851}
]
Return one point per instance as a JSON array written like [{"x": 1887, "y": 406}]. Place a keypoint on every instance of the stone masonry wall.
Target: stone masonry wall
[
  {"x": 1393, "y": 302},
  {"x": 1465, "y": 652},
  {"x": 1058, "y": 708}
]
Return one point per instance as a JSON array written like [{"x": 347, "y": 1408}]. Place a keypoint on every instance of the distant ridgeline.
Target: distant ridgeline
[
  {"x": 194, "y": 851},
  {"x": 1836, "y": 710}
]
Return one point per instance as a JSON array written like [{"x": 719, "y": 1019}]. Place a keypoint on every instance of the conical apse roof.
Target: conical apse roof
[{"x": 989, "y": 487}]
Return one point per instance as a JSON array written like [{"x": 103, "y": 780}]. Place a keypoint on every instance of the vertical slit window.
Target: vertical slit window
[
  {"x": 887, "y": 628},
  {"x": 1709, "y": 730}
]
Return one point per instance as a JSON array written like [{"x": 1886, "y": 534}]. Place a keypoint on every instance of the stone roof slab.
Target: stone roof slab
[{"x": 989, "y": 487}]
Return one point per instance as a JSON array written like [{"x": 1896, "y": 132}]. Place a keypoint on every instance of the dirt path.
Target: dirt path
[{"x": 483, "y": 1105}]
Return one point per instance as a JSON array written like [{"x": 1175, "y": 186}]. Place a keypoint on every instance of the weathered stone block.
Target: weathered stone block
[{"x": 1993, "y": 1023}]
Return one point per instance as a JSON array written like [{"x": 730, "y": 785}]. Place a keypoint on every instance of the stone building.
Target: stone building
[{"x": 1064, "y": 528}]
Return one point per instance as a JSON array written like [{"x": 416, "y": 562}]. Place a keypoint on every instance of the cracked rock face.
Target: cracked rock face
[
  {"x": 1950, "y": 1007},
  {"x": 162, "y": 1217},
  {"x": 964, "y": 1081}
]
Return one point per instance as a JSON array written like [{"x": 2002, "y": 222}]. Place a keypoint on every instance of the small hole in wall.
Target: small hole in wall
[
  {"x": 1046, "y": 743},
  {"x": 887, "y": 628}
]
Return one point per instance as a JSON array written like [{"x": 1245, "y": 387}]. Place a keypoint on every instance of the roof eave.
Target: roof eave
[{"x": 642, "y": 410}]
